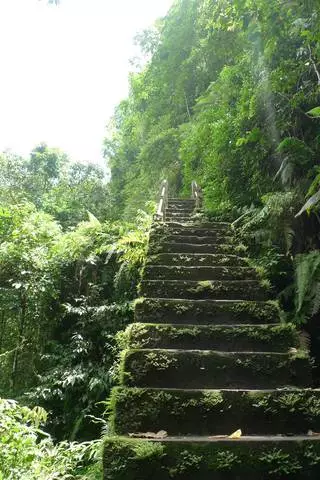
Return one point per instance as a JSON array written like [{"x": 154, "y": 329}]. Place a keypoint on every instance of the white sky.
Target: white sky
[{"x": 63, "y": 69}]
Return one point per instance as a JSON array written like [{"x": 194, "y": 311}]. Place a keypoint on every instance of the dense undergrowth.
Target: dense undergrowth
[{"x": 229, "y": 95}]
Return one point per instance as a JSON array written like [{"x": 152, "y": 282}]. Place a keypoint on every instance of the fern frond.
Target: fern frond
[{"x": 315, "y": 307}]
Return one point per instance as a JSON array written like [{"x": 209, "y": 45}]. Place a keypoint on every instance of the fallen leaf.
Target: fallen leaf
[{"x": 236, "y": 434}]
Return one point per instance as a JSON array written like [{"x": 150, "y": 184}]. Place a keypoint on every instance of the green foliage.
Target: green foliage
[
  {"x": 307, "y": 284},
  {"x": 55, "y": 185},
  {"x": 207, "y": 459},
  {"x": 64, "y": 296},
  {"x": 28, "y": 452},
  {"x": 229, "y": 96}
]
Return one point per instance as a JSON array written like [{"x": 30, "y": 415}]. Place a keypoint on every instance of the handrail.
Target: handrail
[
  {"x": 196, "y": 193},
  {"x": 163, "y": 201}
]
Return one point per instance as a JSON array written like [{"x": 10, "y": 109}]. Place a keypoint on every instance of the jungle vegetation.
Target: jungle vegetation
[{"x": 228, "y": 94}]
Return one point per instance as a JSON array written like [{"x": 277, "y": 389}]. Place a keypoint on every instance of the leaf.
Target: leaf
[
  {"x": 92, "y": 218},
  {"x": 310, "y": 203},
  {"x": 236, "y": 434},
  {"x": 314, "y": 112}
]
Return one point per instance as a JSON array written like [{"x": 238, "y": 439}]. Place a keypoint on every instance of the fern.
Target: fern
[
  {"x": 315, "y": 308},
  {"x": 307, "y": 281}
]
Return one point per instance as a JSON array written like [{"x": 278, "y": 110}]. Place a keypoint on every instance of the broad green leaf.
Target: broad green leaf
[
  {"x": 314, "y": 112},
  {"x": 314, "y": 200}
]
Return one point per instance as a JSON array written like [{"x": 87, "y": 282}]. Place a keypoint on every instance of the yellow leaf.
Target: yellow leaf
[{"x": 236, "y": 434}]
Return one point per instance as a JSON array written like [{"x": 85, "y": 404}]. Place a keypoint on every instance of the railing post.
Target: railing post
[
  {"x": 163, "y": 201},
  {"x": 196, "y": 193}
]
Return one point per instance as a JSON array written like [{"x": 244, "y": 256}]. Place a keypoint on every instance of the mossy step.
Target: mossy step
[
  {"x": 178, "y": 218},
  {"x": 183, "y": 311},
  {"x": 179, "y": 209},
  {"x": 180, "y": 200},
  {"x": 227, "y": 338},
  {"x": 163, "y": 229},
  {"x": 249, "y": 458},
  {"x": 214, "y": 412},
  {"x": 211, "y": 289},
  {"x": 212, "y": 369},
  {"x": 162, "y": 272},
  {"x": 196, "y": 259},
  {"x": 213, "y": 226},
  {"x": 170, "y": 247},
  {"x": 194, "y": 223},
  {"x": 194, "y": 239}
]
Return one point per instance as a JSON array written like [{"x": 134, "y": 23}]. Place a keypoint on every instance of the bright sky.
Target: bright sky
[{"x": 63, "y": 69}]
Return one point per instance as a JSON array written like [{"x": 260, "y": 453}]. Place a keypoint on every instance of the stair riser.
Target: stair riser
[
  {"x": 181, "y": 210},
  {"x": 186, "y": 312},
  {"x": 154, "y": 272},
  {"x": 267, "y": 338},
  {"x": 219, "y": 460},
  {"x": 176, "y": 218},
  {"x": 192, "y": 248},
  {"x": 214, "y": 412},
  {"x": 213, "y": 226},
  {"x": 191, "y": 260},
  {"x": 178, "y": 369},
  {"x": 190, "y": 230},
  {"x": 155, "y": 240},
  {"x": 230, "y": 290}
]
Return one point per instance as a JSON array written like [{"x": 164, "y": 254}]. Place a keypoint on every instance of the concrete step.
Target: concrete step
[
  {"x": 175, "y": 247},
  {"x": 178, "y": 218},
  {"x": 203, "y": 458},
  {"x": 212, "y": 369},
  {"x": 194, "y": 239},
  {"x": 215, "y": 412},
  {"x": 217, "y": 312},
  {"x": 197, "y": 259},
  {"x": 227, "y": 338},
  {"x": 180, "y": 209},
  {"x": 208, "y": 289},
  {"x": 181, "y": 201},
  {"x": 171, "y": 229},
  {"x": 165, "y": 272}
]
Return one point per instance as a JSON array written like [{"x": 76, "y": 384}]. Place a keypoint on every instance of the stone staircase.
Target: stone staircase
[{"x": 207, "y": 356}]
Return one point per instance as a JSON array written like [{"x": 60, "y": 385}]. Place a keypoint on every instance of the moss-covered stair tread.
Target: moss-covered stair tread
[
  {"x": 199, "y": 272},
  {"x": 204, "y": 289},
  {"x": 209, "y": 354},
  {"x": 214, "y": 369},
  {"x": 242, "y": 337},
  {"x": 186, "y": 311},
  {"x": 215, "y": 412}
]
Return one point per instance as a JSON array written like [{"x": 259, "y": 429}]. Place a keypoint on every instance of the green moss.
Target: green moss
[
  {"x": 213, "y": 289},
  {"x": 184, "y": 311},
  {"x": 270, "y": 338},
  {"x": 126, "y": 459},
  {"x": 211, "y": 369},
  {"x": 213, "y": 412}
]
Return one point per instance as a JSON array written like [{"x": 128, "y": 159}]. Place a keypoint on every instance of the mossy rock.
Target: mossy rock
[
  {"x": 211, "y": 369},
  {"x": 133, "y": 459},
  {"x": 214, "y": 412},
  {"x": 153, "y": 310},
  {"x": 233, "y": 338}
]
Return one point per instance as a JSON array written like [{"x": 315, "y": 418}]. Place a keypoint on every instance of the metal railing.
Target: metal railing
[
  {"x": 163, "y": 201},
  {"x": 196, "y": 193}
]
